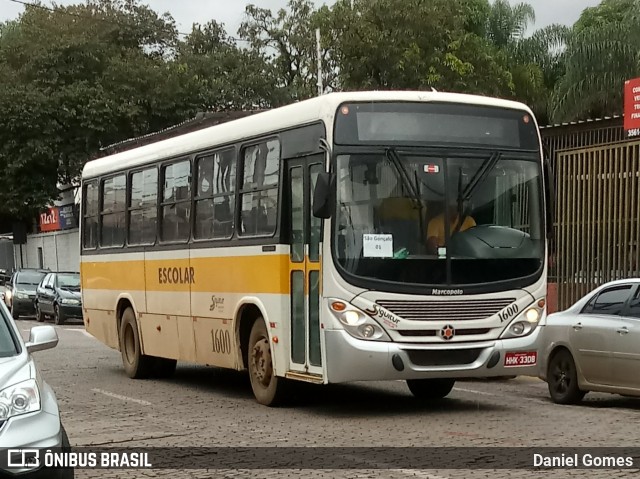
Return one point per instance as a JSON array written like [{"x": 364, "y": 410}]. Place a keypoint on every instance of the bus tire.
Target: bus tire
[
  {"x": 268, "y": 389},
  {"x": 430, "y": 389},
  {"x": 136, "y": 364}
]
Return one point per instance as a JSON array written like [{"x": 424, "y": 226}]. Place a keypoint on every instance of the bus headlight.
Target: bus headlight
[
  {"x": 357, "y": 323},
  {"x": 523, "y": 325},
  {"x": 532, "y": 315}
]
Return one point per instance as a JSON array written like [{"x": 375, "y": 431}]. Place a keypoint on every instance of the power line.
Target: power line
[{"x": 104, "y": 20}]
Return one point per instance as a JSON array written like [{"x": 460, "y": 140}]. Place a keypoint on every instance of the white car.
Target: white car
[
  {"x": 29, "y": 414},
  {"x": 594, "y": 345}
]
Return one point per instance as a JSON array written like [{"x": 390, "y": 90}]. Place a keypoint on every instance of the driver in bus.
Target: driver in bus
[{"x": 436, "y": 228}]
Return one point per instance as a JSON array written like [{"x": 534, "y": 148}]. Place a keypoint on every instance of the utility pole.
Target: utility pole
[{"x": 319, "y": 53}]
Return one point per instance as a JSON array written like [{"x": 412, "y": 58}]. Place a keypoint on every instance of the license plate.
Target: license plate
[{"x": 512, "y": 360}]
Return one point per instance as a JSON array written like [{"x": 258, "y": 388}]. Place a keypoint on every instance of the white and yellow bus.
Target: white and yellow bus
[{"x": 323, "y": 242}]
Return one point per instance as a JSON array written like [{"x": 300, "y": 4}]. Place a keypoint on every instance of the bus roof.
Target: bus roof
[{"x": 322, "y": 107}]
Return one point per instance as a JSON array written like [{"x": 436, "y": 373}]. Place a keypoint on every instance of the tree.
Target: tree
[
  {"x": 535, "y": 61},
  {"x": 75, "y": 79},
  {"x": 287, "y": 41},
  {"x": 223, "y": 76},
  {"x": 604, "y": 51},
  {"x": 411, "y": 44}
]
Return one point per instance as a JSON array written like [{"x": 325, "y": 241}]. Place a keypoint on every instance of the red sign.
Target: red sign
[
  {"x": 632, "y": 107},
  {"x": 50, "y": 220}
]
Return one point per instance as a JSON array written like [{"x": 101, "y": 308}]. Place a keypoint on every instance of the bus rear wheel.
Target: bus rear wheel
[
  {"x": 136, "y": 364},
  {"x": 267, "y": 388},
  {"x": 430, "y": 388}
]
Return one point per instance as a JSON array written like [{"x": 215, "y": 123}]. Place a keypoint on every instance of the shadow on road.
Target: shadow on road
[{"x": 342, "y": 400}]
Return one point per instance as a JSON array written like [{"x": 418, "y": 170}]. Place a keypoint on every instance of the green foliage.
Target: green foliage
[
  {"x": 222, "y": 76},
  {"x": 409, "y": 44},
  {"x": 604, "y": 51},
  {"x": 286, "y": 41},
  {"x": 84, "y": 76}
]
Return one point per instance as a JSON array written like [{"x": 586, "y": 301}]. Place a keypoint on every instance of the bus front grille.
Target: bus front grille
[
  {"x": 449, "y": 357},
  {"x": 434, "y": 332},
  {"x": 468, "y": 310}
]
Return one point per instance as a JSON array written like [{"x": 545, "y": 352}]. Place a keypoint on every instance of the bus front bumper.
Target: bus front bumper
[{"x": 350, "y": 359}]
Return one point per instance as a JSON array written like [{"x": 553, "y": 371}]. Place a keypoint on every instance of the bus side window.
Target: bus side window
[
  {"x": 90, "y": 215},
  {"x": 259, "y": 191},
  {"x": 176, "y": 202},
  {"x": 215, "y": 198}
]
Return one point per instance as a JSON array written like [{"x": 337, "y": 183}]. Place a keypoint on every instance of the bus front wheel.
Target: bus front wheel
[
  {"x": 136, "y": 364},
  {"x": 430, "y": 388},
  {"x": 267, "y": 387}
]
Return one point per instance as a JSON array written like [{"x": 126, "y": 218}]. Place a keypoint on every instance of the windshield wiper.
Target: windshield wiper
[
  {"x": 464, "y": 196},
  {"x": 482, "y": 173},
  {"x": 393, "y": 156}
]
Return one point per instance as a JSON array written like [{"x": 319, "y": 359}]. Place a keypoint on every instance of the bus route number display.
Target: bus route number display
[{"x": 377, "y": 246}]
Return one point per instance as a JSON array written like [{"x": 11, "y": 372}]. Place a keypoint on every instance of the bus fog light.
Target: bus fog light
[
  {"x": 367, "y": 331},
  {"x": 532, "y": 315},
  {"x": 517, "y": 328}
]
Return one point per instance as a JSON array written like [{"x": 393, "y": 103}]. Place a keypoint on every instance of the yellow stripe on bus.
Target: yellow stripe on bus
[{"x": 236, "y": 274}]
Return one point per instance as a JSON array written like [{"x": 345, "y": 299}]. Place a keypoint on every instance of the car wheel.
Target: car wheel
[
  {"x": 39, "y": 315},
  {"x": 430, "y": 388},
  {"x": 136, "y": 364},
  {"x": 268, "y": 389},
  {"x": 63, "y": 473},
  {"x": 562, "y": 379},
  {"x": 58, "y": 316},
  {"x": 14, "y": 313}
]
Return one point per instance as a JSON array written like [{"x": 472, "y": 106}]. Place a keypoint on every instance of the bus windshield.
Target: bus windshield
[{"x": 439, "y": 219}]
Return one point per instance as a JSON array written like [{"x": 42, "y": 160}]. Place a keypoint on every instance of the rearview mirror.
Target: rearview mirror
[
  {"x": 322, "y": 195},
  {"x": 41, "y": 338}
]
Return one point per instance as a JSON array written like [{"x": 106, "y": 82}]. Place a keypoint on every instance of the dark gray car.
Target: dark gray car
[
  {"x": 58, "y": 296},
  {"x": 21, "y": 292}
]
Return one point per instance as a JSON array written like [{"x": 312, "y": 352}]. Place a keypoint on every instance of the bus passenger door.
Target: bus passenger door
[{"x": 304, "y": 266}]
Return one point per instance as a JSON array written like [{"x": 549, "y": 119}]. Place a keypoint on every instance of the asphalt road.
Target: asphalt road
[{"x": 210, "y": 407}]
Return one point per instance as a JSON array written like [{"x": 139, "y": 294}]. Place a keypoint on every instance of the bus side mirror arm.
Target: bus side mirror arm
[
  {"x": 322, "y": 204},
  {"x": 550, "y": 197}
]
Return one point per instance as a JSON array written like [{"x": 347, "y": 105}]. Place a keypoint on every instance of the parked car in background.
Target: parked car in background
[
  {"x": 20, "y": 293},
  {"x": 594, "y": 345},
  {"x": 29, "y": 413},
  {"x": 58, "y": 296}
]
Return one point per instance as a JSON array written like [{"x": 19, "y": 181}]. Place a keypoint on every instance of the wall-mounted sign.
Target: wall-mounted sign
[
  {"x": 57, "y": 218},
  {"x": 632, "y": 107},
  {"x": 50, "y": 220},
  {"x": 67, "y": 218}
]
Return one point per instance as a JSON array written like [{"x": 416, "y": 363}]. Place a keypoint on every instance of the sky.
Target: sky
[{"x": 231, "y": 12}]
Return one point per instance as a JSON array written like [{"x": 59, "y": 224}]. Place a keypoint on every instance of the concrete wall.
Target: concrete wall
[{"x": 60, "y": 251}]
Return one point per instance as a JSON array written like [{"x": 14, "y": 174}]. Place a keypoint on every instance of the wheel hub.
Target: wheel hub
[{"x": 261, "y": 359}]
